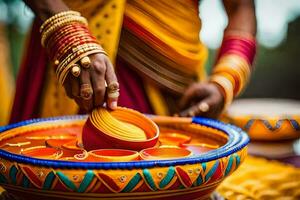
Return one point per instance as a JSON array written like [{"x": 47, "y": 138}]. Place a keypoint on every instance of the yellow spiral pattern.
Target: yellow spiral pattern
[{"x": 107, "y": 123}]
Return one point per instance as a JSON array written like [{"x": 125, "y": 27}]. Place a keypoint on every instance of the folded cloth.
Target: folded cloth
[{"x": 258, "y": 178}]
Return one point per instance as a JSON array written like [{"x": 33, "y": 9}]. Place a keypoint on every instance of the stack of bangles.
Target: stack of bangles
[
  {"x": 234, "y": 62},
  {"x": 69, "y": 43}
]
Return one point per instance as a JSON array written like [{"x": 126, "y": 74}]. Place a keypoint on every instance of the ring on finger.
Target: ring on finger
[
  {"x": 113, "y": 95},
  {"x": 113, "y": 87},
  {"x": 76, "y": 70},
  {"x": 86, "y": 91},
  {"x": 203, "y": 107},
  {"x": 85, "y": 62},
  {"x": 191, "y": 113}
]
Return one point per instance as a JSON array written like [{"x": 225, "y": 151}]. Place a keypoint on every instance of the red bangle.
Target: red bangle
[{"x": 243, "y": 47}]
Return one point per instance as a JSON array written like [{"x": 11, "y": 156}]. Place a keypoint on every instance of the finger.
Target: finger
[
  {"x": 68, "y": 86},
  {"x": 75, "y": 87},
  {"x": 112, "y": 86},
  {"x": 86, "y": 90},
  {"x": 98, "y": 83},
  {"x": 205, "y": 107},
  {"x": 194, "y": 92}
]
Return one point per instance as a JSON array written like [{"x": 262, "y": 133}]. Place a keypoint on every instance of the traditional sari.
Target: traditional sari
[
  {"x": 154, "y": 46},
  {"x": 6, "y": 80}
]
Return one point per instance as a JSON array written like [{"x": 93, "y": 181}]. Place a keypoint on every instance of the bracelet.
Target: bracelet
[
  {"x": 237, "y": 68},
  {"x": 68, "y": 40},
  {"x": 73, "y": 56},
  {"x": 61, "y": 14},
  {"x": 227, "y": 87},
  {"x": 62, "y": 23},
  {"x": 77, "y": 50},
  {"x": 63, "y": 75},
  {"x": 233, "y": 67}
]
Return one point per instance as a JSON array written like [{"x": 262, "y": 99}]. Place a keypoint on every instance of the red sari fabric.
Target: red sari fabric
[
  {"x": 132, "y": 93},
  {"x": 30, "y": 79}
]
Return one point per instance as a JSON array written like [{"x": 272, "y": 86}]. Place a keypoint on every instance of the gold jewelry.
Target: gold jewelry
[
  {"x": 191, "y": 113},
  {"x": 113, "y": 95},
  {"x": 59, "y": 15},
  {"x": 62, "y": 75},
  {"x": 235, "y": 66},
  {"x": 76, "y": 70},
  {"x": 227, "y": 87},
  {"x": 73, "y": 55},
  {"x": 113, "y": 86},
  {"x": 203, "y": 107},
  {"x": 86, "y": 91},
  {"x": 61, "y": 23},
  {"x": 85, "y": 62}
]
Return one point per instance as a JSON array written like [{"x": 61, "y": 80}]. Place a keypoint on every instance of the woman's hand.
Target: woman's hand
[
  {"x": 202, "y": 99},
  {"x": 89, "y": 89}
]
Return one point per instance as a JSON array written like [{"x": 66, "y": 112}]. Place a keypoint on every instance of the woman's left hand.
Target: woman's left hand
[{"x": 202, "y": 99}]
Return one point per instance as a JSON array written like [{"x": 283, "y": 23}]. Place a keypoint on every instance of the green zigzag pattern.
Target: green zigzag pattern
[{"x": 88, "y": 178}]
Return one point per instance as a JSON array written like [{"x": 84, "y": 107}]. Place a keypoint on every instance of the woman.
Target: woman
[{"x": 155, "y": 48}]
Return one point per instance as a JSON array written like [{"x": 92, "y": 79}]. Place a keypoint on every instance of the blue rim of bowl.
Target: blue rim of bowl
[{"x": 237, "y": 140}]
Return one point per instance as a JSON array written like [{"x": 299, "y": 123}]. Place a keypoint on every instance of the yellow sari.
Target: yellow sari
[
  {"x": 6, "y": 80},
  {"x": 170, "y": 53}
]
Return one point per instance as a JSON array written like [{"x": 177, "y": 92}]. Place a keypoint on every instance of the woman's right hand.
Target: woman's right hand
[{"x": 89, "y": 89}]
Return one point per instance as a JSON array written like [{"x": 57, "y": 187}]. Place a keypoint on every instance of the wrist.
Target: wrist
[{"x": 225, "y": 87}]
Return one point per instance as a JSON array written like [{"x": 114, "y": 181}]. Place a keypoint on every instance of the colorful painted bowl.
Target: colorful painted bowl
[
  {"x": 96, "y": 136},
  {"x": 58, "y": 143},
  {"x": 199, "y": 148},
  {"x": 164, "y": 153},
  {"x": 194, "y": 177},
  {"x": 113, "y": 155},
  {"x": 173, "y": 138},
  {"x": 266, "y": 119},
  {"x": 42, "y": 152}
]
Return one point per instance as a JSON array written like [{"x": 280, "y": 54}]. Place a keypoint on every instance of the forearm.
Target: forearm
[
  {"x": 236, "y": 54},
  {"x": 241, "y": 16},
  {"x": 44, "y": 9}
]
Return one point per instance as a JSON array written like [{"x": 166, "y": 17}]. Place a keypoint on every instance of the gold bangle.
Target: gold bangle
[
  {"x": 239, "y": 79},
  {"x": 235, "y": 84},
  {"x": 237, "y": 67},
  {"x": 60, "y": 21},
  {"x": 74, "y": 54},
  {"x": 70, "y": 57},
  {"x": 58, "y": 15},
  {"x": 227, "y": 87},
  {"x": 62, "y": 76},
  {"x": 48, "y": 32},
  {"x": 78, "y": 47},
  {"x": 238, "y": 61}
]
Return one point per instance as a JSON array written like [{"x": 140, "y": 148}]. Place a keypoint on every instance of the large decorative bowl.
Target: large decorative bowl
[
  {"x": 266, "y": 119},
  {"x": 46, "y": 174}
]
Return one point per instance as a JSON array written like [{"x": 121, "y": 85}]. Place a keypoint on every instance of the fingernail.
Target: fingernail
[{"x": 113, "y": 105}]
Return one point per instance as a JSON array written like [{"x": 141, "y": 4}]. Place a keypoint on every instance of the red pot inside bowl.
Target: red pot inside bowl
[{"x": 94, "y": 138}]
